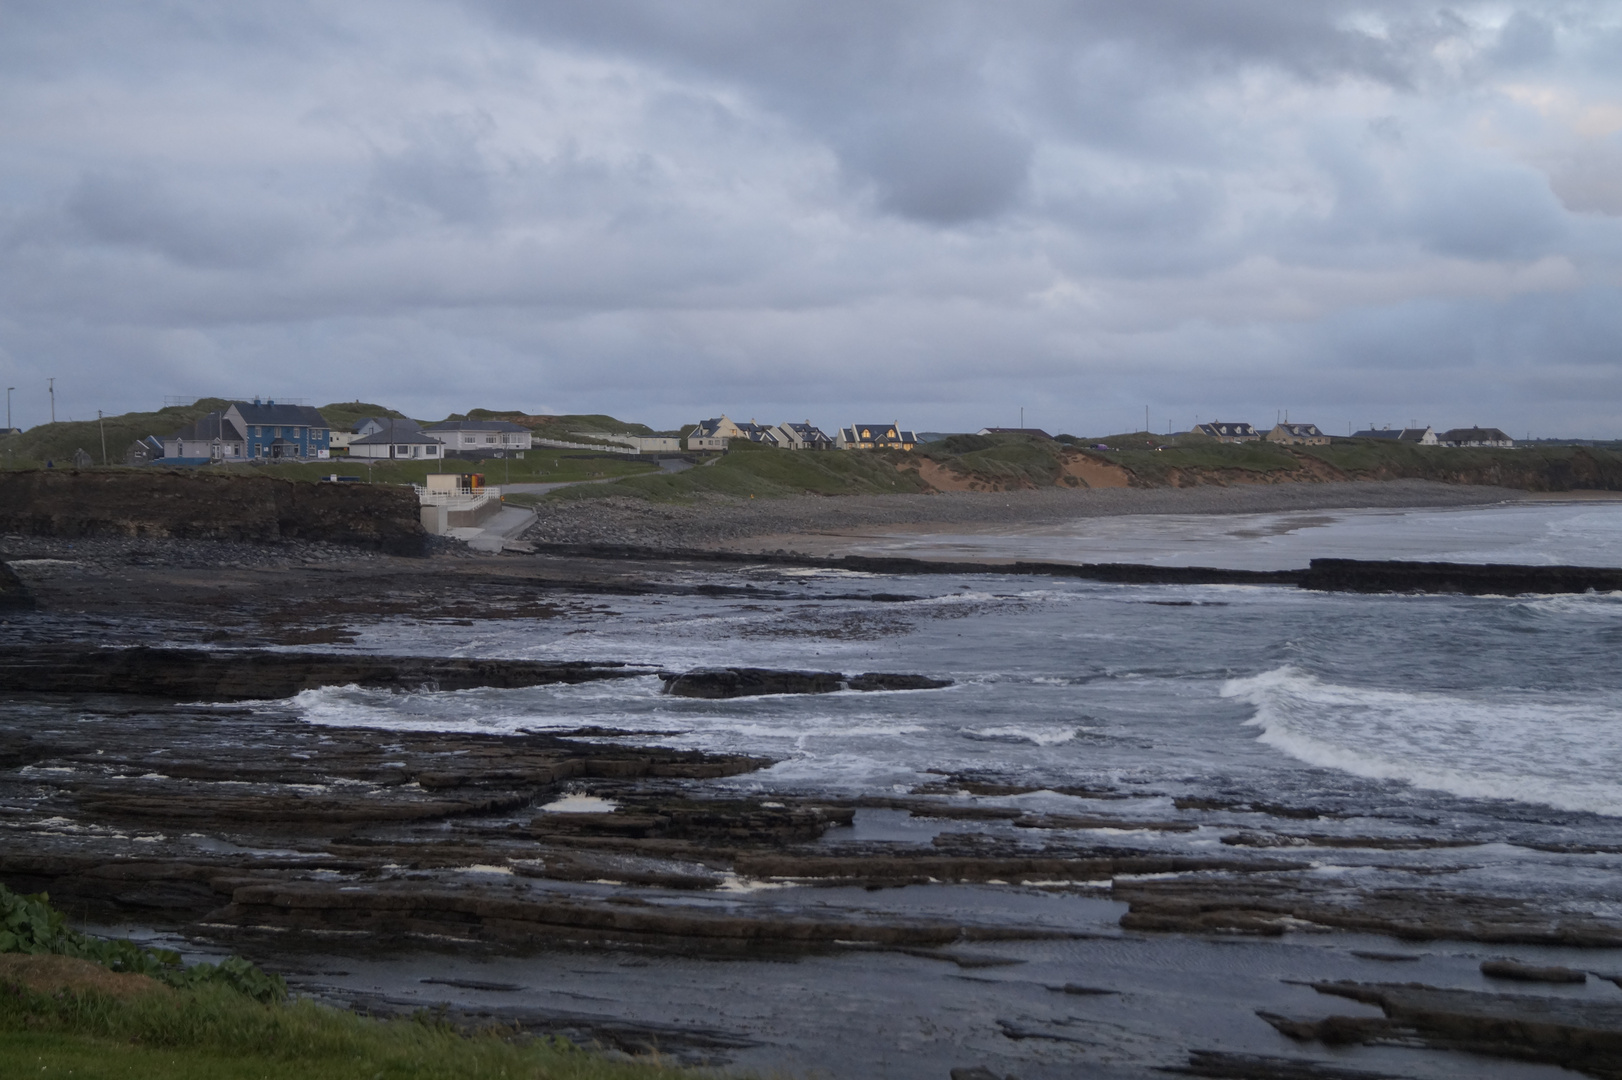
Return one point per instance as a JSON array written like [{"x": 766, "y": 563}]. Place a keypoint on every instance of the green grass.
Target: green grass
[
  {"x": 214, "y": 1032},
  {"x": 749, "y": 471},
  {"x": 57, "y": 442},
  {"x": 1152, "y": 458},
  {"x": 1000, "y": 460}
]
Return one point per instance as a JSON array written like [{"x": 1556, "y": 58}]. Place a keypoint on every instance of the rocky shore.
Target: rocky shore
[{"x": 156, "y": 769}]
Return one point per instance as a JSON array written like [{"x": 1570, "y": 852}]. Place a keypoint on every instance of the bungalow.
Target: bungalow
[
  {"x": 875, "y": 437},
  {"x": 396, "y": 439},
  {"x": 1297, "y": 435},
  {"x": 273, "y": 431},
  {"x": 1229, "y": 433},
  {"x": 1033, "y": 432},
  {"x": 479, "y": 438},
  {"x": 1476, "y": 436},
  {"x": 210, "y": 438},
  {"x": 1418, "y": 436}
]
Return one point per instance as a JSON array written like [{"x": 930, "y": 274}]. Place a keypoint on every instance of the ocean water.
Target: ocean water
[{"x": 1496, "y": 720}]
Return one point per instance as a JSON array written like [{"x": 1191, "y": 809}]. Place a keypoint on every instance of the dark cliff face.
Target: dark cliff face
[{"x": 201, "y": 505}]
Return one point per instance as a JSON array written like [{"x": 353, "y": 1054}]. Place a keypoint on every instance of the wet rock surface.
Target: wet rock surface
[
  {"x": 236, "y": 675},
  {"x": 1583, "y": 1035},
  {"x": 225, "y": 817},
  {"x": 718, "y": 683}
]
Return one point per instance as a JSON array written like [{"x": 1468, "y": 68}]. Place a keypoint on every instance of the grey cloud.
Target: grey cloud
[
  {"x": 135, "y": 210},
  {"x": 939, "y": 209},
  {"x": 939, "y": 164}
]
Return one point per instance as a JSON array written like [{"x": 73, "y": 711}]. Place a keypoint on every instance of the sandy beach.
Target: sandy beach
[{"x": 817, "y": 525}]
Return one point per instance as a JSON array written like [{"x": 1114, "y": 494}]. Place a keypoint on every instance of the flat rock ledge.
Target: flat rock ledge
[
  {"x": 717, "y": 683},
  {"x": 258, "y": 675},
  {"x": 1579, "y": 1034}
]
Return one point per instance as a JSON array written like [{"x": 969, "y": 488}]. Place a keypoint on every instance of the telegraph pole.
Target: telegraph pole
[
  {"x": 51, "y": 389},
  {"x": 9, "y": 389},
  {"x": 103, "y": 426}
]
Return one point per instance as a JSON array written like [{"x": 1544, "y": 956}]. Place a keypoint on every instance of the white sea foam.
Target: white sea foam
[
  {"x": 1022, "y": 733},
  {"x": 1563, "y": 751}
]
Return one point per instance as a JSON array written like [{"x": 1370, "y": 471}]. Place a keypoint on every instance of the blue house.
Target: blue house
[{"x": 271, "y": 431}]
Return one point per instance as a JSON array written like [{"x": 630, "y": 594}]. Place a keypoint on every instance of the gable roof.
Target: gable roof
[
  {"x": 1474, "y": 434},
  {"x": 254, "y": 412},
  {"x": 1220, "y": 429},
  {"x": 212, "y": 426},
  {"x": 395, "y": 431},
  {"x": 1302, "y": 431}
]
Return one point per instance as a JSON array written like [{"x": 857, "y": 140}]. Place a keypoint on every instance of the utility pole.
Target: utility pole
[
  {"x": 1146, "y": 419},
  {"x": 103, "y": 426},
  {"x": 9, "y": 389},
  {"x": 51, "y": 389}
]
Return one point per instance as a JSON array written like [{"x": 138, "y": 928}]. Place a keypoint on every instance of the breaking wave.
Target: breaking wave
[{"x": 1563, "y": 751}]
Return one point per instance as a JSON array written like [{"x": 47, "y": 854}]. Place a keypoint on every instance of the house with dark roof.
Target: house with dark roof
[
  {"x": 1418, "y": 436},
  {"x": 396, "y": 439},
  {"x": 144, "y": 451},
  {"x": 1297, "y": 435},
  {"x": 1229, "y": 432},
  {"x": 806, "y": 436},
  {"x": 1033, "y": 432},
  {"x": 1476, "y": 436},
  {"x": 875, "y": 437},
  {"x": 271, "y": 432},
  {"x": 482, "y": 438},
  {"x": 214, "y": 437}
]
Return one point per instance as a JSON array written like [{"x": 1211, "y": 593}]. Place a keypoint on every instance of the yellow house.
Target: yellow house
[{"x": 875, "y": 437}]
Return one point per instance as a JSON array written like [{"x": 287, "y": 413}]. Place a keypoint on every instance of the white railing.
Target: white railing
[
  {"x": 559, "y": 444},
  {"x": 436, "y": 498}
]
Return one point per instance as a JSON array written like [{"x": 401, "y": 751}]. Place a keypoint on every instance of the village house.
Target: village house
[
  {"x": 1035, "y": 433},
  {"x": 482, "y": 438},
  {"x": 1228, "y": 432},
  {"x": 875, "y": 437},
  {"x": 713, "y": 434},
  {"x": 1476, "y": 436},
  {"x": 1418, "y": 436},
  {"x": 393, "y": 440},
  {"x": 805, "y": 436},
  {"x": 144, "y": 451},
  {"x": 1297, "y": 435},
  {"x": 209, "y": 438},
  {"x": 272, "y": 432}
]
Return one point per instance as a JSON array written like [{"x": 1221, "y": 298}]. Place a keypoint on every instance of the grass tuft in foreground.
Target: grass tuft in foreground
[{"x": 215, "y": 1032}]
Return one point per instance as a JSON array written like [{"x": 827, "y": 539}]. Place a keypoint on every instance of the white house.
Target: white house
[
  {"x": 475, "y": 437},
  {"x": 396, "y": 439}
]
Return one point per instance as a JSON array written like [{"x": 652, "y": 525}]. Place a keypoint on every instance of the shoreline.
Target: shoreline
[{"x": 822, "y": 525}]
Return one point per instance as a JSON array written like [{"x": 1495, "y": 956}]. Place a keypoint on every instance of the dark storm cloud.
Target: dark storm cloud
[{"x": 938, "y": 209}]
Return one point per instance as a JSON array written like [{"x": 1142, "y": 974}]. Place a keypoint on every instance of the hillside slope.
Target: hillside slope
[{"x": 1014, "y": 462}]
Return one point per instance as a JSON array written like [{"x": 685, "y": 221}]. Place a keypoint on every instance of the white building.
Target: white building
[
  {"x": 474, "y": 437},
  {"x": 395, "y": 440}
]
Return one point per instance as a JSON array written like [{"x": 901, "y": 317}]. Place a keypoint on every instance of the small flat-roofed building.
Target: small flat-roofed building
[
  {"x": 1297, "y": 435},
  {"x": 1229, "y": 432}
]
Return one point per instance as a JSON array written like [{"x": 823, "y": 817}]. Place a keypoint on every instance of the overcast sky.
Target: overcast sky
[{"x": 838, "y": 210}]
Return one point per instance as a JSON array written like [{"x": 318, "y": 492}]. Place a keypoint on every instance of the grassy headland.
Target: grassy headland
[{"x": 1134, "y": 459}]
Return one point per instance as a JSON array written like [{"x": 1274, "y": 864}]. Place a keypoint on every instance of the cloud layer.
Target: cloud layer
[{"x": 930, "y": 211}]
